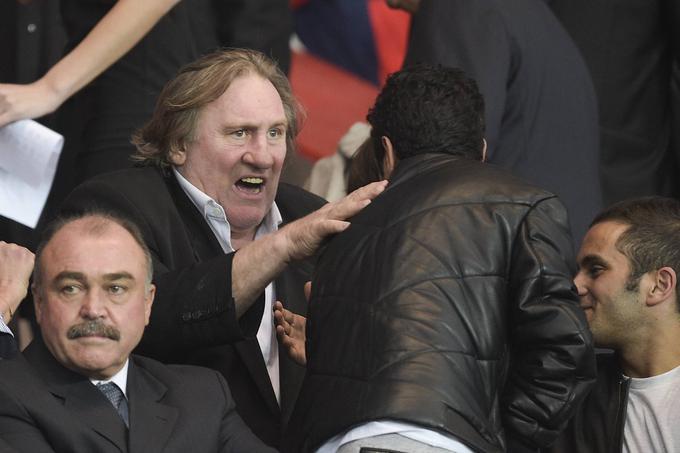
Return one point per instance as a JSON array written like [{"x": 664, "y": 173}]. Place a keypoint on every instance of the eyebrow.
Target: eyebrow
[
  {"x": 79, "y": 276},
  {"x": 70, "y": 275},
  {"x": 119, "y": 276},
  {"x": 236, "y": 126},
  {"x": 592, "y": 260}
]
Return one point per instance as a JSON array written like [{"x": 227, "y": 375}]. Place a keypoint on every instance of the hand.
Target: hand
[
  {"x": 16, "y": 265},
  {"x": 304, "y": 236},
  {"x": 26, "y": 101},
  {"x": 291, "y": 330}
]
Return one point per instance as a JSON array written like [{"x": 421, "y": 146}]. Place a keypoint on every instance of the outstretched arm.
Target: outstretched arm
[
  {"x": 113, "y": 36},
  {"x": 259, "y": 262}
]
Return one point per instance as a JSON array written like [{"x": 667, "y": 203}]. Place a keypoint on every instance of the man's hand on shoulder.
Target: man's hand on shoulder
[{"x": 303, "y": 237}]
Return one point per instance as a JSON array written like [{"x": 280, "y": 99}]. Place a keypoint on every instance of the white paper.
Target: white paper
[{"x": 29, "y": 153}]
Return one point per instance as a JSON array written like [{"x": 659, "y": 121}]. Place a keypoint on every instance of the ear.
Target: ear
[
  {"x": 663, "y": 286},
  {"x": 390, "y": 159},
  {"x": 483, "y": 150},
  {"x": 178, "y": 156},
  {"x": 148, "y": 302}
]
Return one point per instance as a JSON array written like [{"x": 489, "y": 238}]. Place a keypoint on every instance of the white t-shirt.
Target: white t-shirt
[{"x": 653, "y": 414}]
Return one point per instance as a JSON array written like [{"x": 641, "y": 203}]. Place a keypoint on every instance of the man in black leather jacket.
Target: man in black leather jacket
[{"x": 445, "y": 318}]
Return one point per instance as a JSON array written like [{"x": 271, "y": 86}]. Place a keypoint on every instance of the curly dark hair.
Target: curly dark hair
[
  {"x": 429, "y": 108},
  {"x": 652, "y": 239}
]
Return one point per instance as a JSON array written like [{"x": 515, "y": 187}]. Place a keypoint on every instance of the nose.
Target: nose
[
  {"x": 93, "y": 304},
  {"x": 579, "y": 281},
  {"x": 258, "y": 154}
]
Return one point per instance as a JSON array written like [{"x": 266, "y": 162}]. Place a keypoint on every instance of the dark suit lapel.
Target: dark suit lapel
[
  {"x": 203, "y": 241},
  {"x": 289, "y": 290},
  {"x": 151, "y": 421},
  {"x": 78, "y": 395},
  {"x": 251, "y": 356},
  {"x": 8, "y": 346}
]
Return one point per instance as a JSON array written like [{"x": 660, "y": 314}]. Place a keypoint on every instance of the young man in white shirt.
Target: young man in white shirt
[{"x": 627, "y": 282}]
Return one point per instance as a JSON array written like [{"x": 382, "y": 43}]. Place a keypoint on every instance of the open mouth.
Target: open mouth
[{"x": 250, "y": 184}]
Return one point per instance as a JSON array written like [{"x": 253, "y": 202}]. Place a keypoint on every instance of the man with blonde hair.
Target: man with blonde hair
[{"x": 221, "y": 228}]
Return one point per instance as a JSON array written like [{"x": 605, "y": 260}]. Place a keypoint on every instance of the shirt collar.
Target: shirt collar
[
  {"x": 209, "y": 207},
  {"x": 197, "y": 197},
  {"x": 120, "y": 378}
]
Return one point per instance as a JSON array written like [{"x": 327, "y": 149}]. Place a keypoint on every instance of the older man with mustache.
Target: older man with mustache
[{"x": 77, "y": 388}]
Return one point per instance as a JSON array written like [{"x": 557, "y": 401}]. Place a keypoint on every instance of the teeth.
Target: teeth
[{"x": 252, "y": 180}]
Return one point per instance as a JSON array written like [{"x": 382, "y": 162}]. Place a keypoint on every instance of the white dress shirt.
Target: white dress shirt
[
  {"x": 120, "y": 379},
  {"x": 214, "y": 214},
  {"x": 3, "y": 326}
]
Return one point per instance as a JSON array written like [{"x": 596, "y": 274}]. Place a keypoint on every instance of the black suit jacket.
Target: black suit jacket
[
  {"x": 193, "y": 319},
  {"x": 45, "y": 407},
  {"x": 8, "y": 345},
  {"x": 541, "y": 110}
]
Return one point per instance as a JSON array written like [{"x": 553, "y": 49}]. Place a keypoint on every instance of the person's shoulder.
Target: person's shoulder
[
  {"x": 16, "y": 371},
  {"x": 118, "y": 191},
  {"x": 176, "y": 375},
  {"x": 295, "y": 202},
  {"x": 487, "y": 183},
  {"x": 131, "y": 178}
]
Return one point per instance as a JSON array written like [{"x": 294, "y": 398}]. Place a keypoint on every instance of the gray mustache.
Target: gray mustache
[{"x": 93, "y": 328}]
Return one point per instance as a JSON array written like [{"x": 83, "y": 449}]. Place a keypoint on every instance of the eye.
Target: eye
[
  {"x": 69, "y": 290},
  {"x": 275, "y": 132},
  {"x": 595, "y": 270},
  {"x": 239, "y": 133},
  {"x": 117, "y": 289}
]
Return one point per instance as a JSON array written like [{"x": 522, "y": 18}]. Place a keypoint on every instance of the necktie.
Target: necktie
[{"x": 114, "y": 394}]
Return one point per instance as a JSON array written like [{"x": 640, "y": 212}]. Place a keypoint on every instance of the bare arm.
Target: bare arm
[
  {"x": 115, "y": 34},
  {"x": 259, "y": 262}
]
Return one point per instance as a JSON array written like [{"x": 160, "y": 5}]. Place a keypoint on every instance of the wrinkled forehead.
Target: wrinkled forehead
[
  {"x": 249, "y": 97},
  {"x": 91, "y": 245}
]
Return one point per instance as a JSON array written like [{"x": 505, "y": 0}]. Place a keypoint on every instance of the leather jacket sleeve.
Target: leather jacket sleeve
[{"x": 552, "y": 364}]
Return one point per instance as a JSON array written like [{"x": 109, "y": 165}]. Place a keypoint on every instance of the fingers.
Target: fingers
[
  {"x": 284, "y": 320},
  {"x": 355, "y": 201},
  {"x": 370, "y": 191}
]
